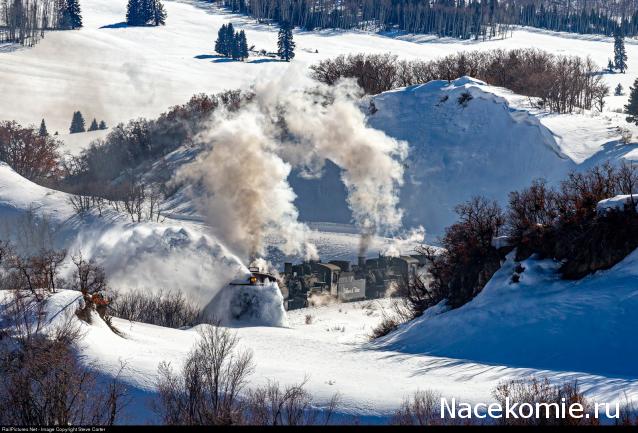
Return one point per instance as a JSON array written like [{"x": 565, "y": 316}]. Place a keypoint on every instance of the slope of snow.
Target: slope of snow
[
  {"x": 147, "y": 255},
  {"x": 541, "y": 322},
  {"x": 17, "y": 195},
  {"x": 439, "y": 352}
]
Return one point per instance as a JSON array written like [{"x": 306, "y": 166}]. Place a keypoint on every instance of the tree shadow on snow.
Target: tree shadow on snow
[
  {"x": 268, "y": 60},
  {"x": 115, "y": 26},
  {"x": 208, "y": 56}
]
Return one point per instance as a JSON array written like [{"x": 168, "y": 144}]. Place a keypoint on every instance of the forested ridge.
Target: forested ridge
[
  {"x": 24, "y": 21},
  {"x": 463, "y": 19}
]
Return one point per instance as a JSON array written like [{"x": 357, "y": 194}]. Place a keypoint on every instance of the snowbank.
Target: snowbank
[
  {"x": 542, "y": 322},
  {"x": 249, "y": 305},
  {"x": 618, "y": 202}
]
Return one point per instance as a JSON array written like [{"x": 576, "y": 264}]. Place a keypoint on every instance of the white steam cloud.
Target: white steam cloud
[
  {"x": 251, "y": 152},
  {"x": 406, "y": 242}
]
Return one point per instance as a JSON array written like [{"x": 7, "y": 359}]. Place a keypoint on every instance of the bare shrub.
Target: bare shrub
[
  {"x": 386, "y": 326},
  {"x": 469, "y": 258},
  {"x": 628, "y": 414},
  {"x": 422, "y": 408},
  {"x": 34, "y": 273},
  {"x": 290, "y": 405},
  {"x": 417, "y": 295},
  {"x": 163, "y": 308},
  {"x": 41, "y": 380},
  {"x": 206, "y": 391},
  {"x": 625, "y": 135},
  {"x": 548, "y": 398},
  {"x": 89, "y": 278}
]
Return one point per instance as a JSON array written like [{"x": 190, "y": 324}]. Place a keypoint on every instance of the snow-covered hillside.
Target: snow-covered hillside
[
  {"x": 541, "y": 322},
  {"x": 488, "y": 147},
  {"x": 116, "y": 73},
  {"x": 482, "y": 147}
]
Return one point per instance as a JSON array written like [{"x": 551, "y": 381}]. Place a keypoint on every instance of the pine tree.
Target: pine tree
[
  {"x": 220, "y": 43},
  {"x": 610, "y": 66},
  {"x": 159, "y": 13},
  {"x": 618, "y": 91},
  {"x": 234, "y": 48},
  {"x": 229, "y": 37},
  {"x": 77, "y": 124},
  {"x": 620, "y": 54},
  {"x": 43, "y": 129},
  {"x": 134, "y": 15},
  {"x": 631, "y": 109},
  {"x": 74, "y": 13},
  {"x": 94, "y": 126},
  {"x": 242, "y": 45},
  {"x": 285, "y": 44},
  {"x": 102, "y": 125}
]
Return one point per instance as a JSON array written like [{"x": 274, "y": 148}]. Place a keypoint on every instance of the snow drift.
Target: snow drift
[{"x": 249, "y": 305}]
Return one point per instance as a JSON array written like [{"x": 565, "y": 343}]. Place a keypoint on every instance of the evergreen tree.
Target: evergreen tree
[
  {"x": 610, "y": 66},
  {"x": 43, "y": 129},
  {"x": 234, "y": 49},
  {"x": 620, "y": 54},
  {"x": 77, "y": 124},
  {"x": 285, "y": 44},
  {"x": 229, "y": 37},
  {"x": 159, "y": 13},
  {"x": 102, "y": 125},
  {"x": 221, "y": 44},
  {"x": 74, "y": 13},
  {"x": 631, "y": 109},
  {"x": 618, "y": 91},
  {"x": 94, "y": 126},
  {"x": 134, "y": 13},
  {"x": 242, "y": 45},
  {"x": 143, "y": 12}
]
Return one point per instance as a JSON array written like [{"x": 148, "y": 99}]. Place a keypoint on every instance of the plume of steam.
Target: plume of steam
[
  {"x": 371, "y": 162},
  {"x": 246, "y": 194},
  {"x": 405, "y": 242},
  {"x": 251, "y": 152}
]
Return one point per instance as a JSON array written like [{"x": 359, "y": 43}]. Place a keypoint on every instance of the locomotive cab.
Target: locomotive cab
[{"x": 256, "y": 278}]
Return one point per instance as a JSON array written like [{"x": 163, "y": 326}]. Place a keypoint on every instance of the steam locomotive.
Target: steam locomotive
[{"x": 255, "y": 278}]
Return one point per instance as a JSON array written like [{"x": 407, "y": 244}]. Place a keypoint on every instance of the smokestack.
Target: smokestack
[
  {"x": 361, "y": 262},
  {"x": 288, "y": 268}
]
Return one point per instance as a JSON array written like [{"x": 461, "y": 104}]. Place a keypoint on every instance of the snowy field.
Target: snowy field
[{"x": 115, "y": 73}]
